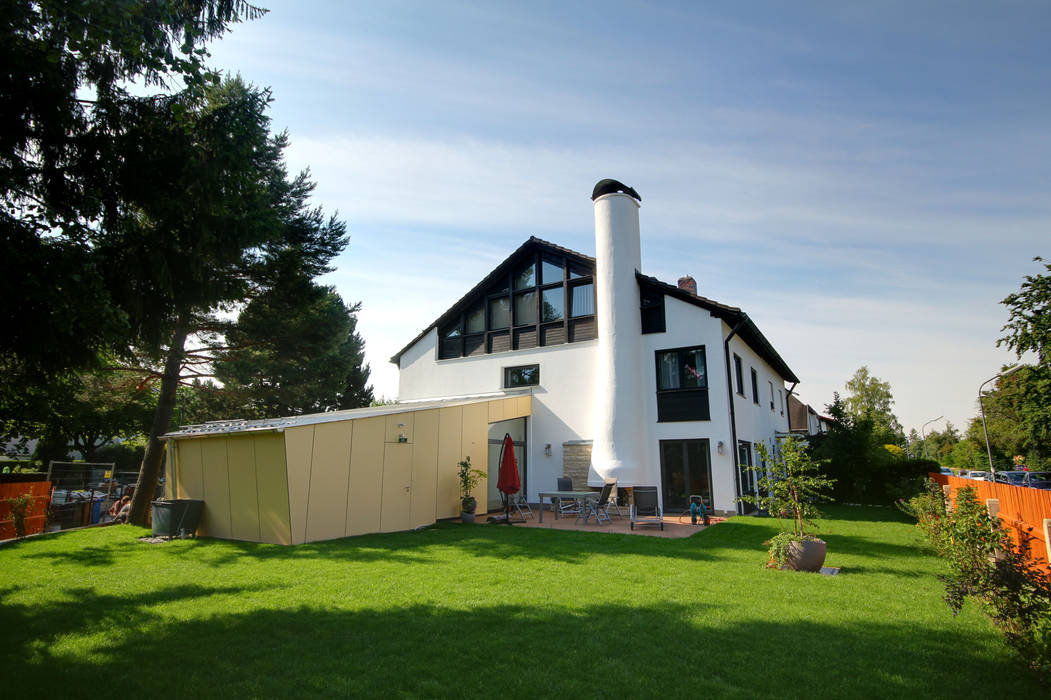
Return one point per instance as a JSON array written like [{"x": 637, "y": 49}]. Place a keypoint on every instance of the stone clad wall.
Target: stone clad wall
[{"x": 576, "y": 459}]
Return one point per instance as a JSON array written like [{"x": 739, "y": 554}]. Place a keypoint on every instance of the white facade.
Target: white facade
[{"x": 605, "y": 390}]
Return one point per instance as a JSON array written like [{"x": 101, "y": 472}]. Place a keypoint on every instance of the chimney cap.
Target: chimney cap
[{"x": 609, "y": 186}]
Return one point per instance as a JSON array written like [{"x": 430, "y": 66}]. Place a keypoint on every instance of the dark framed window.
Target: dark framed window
[
  {"x": 771, "y": 395},
  {"x": 755, "y": 386},
  {"x": 739, "y": 374},
  {"x": 746, "y": 477},
  {"x": 652, "y": 311},
  {"x": 524, "y": 375},
  {"x": 540, "y": 298},
  {"x": 682, "y": 385}
]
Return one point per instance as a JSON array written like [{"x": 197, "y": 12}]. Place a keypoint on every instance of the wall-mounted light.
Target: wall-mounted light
[
  {"x": 721, "y": 447},
  {"x": 547, "y": 449}
]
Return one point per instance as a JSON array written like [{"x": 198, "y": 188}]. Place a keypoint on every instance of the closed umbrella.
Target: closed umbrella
[{"x": 508, "y": 481}]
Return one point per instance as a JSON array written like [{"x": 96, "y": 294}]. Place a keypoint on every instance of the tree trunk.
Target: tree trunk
[{"x": 150, "y": 470}]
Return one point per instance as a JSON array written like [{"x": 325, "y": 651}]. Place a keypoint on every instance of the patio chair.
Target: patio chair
[
  {"x": 519, "y": 503},
  {"x": 567, "y": 506},
  {"x": 612, "y": 502},
  {"x": 645, "y": 507},
  {"x": 598, "y": 506}
]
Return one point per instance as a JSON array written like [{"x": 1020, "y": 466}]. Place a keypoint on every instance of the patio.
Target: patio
[{"x": 675, "y": 525}]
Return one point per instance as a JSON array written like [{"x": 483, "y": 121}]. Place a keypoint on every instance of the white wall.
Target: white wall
[{"x": 562, "y": 403}]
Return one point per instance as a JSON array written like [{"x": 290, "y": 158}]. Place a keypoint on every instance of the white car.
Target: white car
[{"x": 979, "y": 475}]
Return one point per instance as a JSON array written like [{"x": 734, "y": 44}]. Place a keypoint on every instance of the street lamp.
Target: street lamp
[
  {"x": 981, "y": 405},
  {"x": 923, "y": 437}
]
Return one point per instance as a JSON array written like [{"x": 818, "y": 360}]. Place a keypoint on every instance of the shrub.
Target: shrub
[{"x": 21, "y": 507}]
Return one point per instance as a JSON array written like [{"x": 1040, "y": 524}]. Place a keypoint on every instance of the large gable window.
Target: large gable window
[
  {"x": 541, "y": 297},
  {"x": 682, "y": 385}
]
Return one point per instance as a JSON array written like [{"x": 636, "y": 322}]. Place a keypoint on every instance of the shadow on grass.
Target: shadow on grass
[
  {"x": 507, "y": 650},
  {"x": 85, "y": 556}
]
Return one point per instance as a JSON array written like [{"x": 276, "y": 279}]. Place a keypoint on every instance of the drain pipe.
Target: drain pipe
[{"x": 733, "y": 416}]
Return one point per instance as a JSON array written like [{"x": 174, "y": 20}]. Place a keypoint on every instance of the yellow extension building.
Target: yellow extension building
[{"x": 330, "y": 475}]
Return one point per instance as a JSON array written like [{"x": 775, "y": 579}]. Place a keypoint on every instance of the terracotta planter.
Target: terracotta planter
[{"x": 808, "y": 555}]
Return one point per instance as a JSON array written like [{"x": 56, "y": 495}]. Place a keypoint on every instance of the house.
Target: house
[
  {"x": 804, "y": 420},
  {"x": 631, "y": 378}
]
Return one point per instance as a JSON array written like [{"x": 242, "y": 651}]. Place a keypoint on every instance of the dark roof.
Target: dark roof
[
  {"x": 732, "y": 315},
  {"x": 499, "y": 270}
]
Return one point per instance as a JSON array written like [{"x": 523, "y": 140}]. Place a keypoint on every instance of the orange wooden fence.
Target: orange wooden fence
[
  {"x": 41, "y": 492},
  {"x": 1022, "y": 510}
]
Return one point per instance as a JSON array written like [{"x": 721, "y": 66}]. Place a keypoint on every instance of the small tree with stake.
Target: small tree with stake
[{"x": 788, "y": 486}]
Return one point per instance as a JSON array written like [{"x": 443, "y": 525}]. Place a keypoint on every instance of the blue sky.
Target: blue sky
[{"x": 866, "y": 180}]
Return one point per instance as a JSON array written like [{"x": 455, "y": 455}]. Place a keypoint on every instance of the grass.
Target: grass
[{"x": 471, "y": 610}]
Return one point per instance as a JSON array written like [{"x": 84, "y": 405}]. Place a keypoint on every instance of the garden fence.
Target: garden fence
[
  {"x": 41, "y": 493},
  {"x": 1026, "y": 512}
]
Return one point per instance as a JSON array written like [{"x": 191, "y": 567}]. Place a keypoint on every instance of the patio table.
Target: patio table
[{"x": 577, "y": 495}]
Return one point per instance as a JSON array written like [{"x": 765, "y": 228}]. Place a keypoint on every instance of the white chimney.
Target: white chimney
[{"x": 619, "y": 428}]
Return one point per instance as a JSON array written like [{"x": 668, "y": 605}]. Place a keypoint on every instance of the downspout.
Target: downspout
[{"x": 733, "y": 416}]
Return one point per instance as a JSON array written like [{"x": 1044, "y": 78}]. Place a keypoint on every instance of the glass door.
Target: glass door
[
  {"x": 746, "y": 477},
  {"x": 685, "y": 472}
]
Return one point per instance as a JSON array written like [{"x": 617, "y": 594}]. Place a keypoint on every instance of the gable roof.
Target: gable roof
[
  {"x": 732, "y": 315},
  {"x": 500, "y": 270}
]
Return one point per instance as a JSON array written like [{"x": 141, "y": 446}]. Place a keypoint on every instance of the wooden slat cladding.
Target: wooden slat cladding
[
  {"x": 583, "y": 329},
  {"x": 682, "y": 405},
  {"x": 553, "y": 335},
  {"x": 449, "y": 348},
  {"x": 499, "y": 342},
  {"x": 525, "y": 338},
  {"x": 474, "y": 345}
]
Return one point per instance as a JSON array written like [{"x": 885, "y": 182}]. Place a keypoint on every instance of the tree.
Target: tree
[
  {"x": 62, "y": 98},
  {"x": 870, "y": 399},
  {"x": 295, "y": 350},
  {"x": 1029, "y": 325}
]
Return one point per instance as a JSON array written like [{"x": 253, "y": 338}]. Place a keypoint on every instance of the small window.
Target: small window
[
  {"x": 499, "y": 313},
  {"x": 739, "y": 373},
  {"x": 553, "y": 304},
  {"x": 526, "y": 375},
  {"x": 550, "y": 272},
  {"x": 652, "y": 303},
  {"x": 525, "y": 308},
  {"x": 582, "y": 301},
  {"x": 525, "y": 277},
  {"x": 577, "y": 271},
  {"x": 771, "y": 395},
  {"x": 781, "y": 401},
  {"x": 755, "y": 386},
  {"x": 476, "y": 319}
]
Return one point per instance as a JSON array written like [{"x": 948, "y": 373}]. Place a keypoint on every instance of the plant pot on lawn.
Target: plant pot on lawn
[
  {"x": 469, "y": 478},
  {"x": 790, "y": 482}
]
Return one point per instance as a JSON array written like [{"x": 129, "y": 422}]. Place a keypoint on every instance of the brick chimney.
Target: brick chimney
[{"x": 688, "y": 284}]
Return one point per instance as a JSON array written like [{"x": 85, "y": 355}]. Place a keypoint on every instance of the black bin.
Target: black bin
[{"x": 175, "y": 516}]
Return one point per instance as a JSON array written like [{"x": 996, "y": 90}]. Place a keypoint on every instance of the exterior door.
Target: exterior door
[
  {"x": 746, "y": 477},
  {"x": 516, "y": 427},
  {"x": 685, "y": 471}
]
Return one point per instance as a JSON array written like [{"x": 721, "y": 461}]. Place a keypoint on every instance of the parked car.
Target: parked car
[
  {"x": 1036, "y": 480},
  {"x": 1039, "y": 480},
  {"x": 947, "y": 471},
  {"x": 979, "y": 475},
  {"x": 1014, "y": 478}
]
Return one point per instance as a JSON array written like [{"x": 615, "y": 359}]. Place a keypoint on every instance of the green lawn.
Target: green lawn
[{"x": 487, "y": 610}]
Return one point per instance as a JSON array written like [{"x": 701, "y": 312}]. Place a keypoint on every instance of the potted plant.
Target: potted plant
[
  {"x": 788, "y": 486},
  {"x": 469, "y": 478}
]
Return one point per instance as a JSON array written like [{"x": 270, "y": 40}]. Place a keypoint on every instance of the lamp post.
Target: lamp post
[
  {"x": 924, "y": 437},
  {"x": 985, "y": 429}
]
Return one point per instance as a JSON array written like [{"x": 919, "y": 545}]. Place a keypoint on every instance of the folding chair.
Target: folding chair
[
  {"x": 567, "y": 506},
  {"x": 645, "y": 507},
  {"x": 597, "y": 506},
  {"x": 519, "y": 503}
]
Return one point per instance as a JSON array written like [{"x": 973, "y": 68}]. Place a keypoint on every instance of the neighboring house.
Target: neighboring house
[
  {"x": 631, "y": 378},
  {"x": 804, "y": 420}
]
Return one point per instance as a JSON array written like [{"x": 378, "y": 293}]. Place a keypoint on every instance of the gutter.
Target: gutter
[{"x": 733, "y": 415}]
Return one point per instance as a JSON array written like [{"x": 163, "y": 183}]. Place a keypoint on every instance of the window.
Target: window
[
  {"x": 529, "y": 303},
  {"x": 682, "y": 385},
  {"x": 582, "y": 300},
  {"x": 739, "y": 374},
  {"x": 652, "y": 310},
  {"x": 499, "y": 312},
  {"x": 771, "y": 395},
  {"x": 526, "y": 375},
  {"x": 525, "y": 308},
  {"x": 781, "y": 401},
  {"x": 755, "y": 386}
]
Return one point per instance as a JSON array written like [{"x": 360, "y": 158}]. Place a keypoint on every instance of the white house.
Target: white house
[{"x": 630, "y": 377}]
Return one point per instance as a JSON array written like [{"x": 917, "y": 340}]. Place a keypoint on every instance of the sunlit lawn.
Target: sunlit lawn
[{"x": 469, "y": 611}]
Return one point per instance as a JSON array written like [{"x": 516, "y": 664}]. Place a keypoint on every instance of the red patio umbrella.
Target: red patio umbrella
[{"x": 508, "y": 481}]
